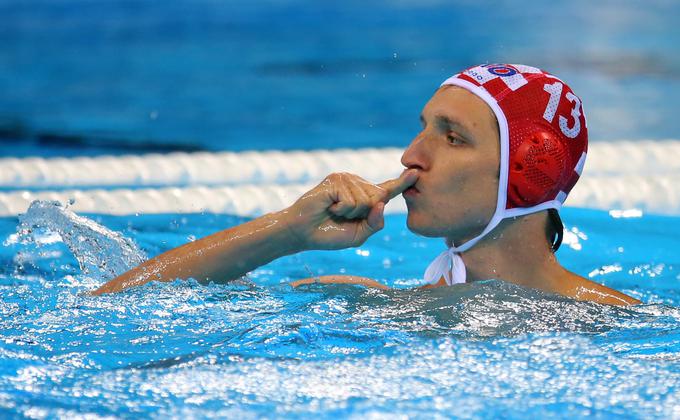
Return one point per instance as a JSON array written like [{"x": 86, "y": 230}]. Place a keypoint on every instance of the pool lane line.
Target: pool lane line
[
  {"x": 656, "y": 194},
  {"x": 645, "y": 157}
]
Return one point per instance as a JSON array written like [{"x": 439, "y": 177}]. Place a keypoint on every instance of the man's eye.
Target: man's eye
[{"x": 454, "y": 140}]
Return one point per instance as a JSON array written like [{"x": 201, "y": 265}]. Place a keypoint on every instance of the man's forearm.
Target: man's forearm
[{"x": 220, "y": 257}]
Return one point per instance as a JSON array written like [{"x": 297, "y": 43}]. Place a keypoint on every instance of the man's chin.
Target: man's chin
[{"x": 419, "y": 228}]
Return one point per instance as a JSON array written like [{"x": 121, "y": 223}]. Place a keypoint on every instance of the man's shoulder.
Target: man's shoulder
[{"x": 581, "y": 288}]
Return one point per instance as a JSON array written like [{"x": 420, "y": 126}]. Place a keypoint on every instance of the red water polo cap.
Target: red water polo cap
[{"x": 543, "y": 135}]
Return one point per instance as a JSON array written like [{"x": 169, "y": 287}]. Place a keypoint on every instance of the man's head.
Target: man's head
[{"x": 498, "y": 141}]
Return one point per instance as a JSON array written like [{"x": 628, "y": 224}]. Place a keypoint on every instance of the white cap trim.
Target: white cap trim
[{"x": 581, "y": 163}]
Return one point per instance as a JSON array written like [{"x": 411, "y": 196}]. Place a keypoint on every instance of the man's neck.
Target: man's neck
[{"x": 516, "y": 251}]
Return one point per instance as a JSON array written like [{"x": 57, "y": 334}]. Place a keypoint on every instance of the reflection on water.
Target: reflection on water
[{"x": 182, "y": 347}]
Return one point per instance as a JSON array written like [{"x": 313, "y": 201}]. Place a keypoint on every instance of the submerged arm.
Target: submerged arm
[
  {"x": 361, "y": 281},
  {"x": 340, "y": 279}
]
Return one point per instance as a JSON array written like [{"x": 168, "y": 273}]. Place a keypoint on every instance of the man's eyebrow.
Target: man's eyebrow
[{"x": 447, "y": 122}]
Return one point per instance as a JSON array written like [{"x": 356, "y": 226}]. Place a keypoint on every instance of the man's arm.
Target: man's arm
[
  {"x": 223, "y": 256},
  {"x": 341, "y": 212}
]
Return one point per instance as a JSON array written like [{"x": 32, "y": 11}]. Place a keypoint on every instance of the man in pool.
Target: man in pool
[{"x": 500, "y": 148}]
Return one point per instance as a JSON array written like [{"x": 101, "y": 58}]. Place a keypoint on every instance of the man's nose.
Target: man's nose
[{"x": 415, "y": 155}]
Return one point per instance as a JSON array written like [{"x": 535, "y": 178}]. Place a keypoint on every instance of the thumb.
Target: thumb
[
  {"x": 371, "y": 224},
  {"x": 376, "y": 219},
  {"x": 396, "y": 186}
]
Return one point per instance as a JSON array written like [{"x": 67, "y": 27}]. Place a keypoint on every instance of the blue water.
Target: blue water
[
  {"x": 91, "y": 77},
  {"x": 259, "y": 348}
]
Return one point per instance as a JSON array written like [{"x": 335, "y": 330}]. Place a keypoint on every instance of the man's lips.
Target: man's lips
[{"x": 411, "y": 191}]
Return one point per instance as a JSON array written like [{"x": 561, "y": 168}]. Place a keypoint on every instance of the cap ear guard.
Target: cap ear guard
[{"x": 536, "y": 169}]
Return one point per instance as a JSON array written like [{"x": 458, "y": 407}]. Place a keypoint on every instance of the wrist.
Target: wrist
[{"x": 291, "y": 232}]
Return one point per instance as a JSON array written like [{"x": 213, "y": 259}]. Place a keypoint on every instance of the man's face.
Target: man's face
[{"x": 457, "y": 155}]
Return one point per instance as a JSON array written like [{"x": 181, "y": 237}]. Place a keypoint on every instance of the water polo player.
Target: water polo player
[{"x": 501, "y": 147}]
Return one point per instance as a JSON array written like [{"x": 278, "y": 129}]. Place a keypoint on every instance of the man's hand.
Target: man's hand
[{"x": 343, "y": 210}]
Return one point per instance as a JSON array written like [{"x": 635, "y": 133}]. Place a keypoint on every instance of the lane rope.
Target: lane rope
[
  {"x": 184, "y": 169},
  {"x": 643, "y": 175},
  {"x": 277, "y": 167},
  {"x": 658, "y": 194}
]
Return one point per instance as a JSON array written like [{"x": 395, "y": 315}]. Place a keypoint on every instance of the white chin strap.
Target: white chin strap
[{"x": 449, "y": 265}]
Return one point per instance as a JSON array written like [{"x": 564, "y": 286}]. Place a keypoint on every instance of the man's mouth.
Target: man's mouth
[{"x": 411, "y": 191}]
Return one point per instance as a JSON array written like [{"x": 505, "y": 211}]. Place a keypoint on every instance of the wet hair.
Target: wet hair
[{"x": 554, "y": 230}]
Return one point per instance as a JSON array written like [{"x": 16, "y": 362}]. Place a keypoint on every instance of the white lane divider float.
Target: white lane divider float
[
  {"x": 184, "y": 169},
  {"x": 644, "y": 175}
]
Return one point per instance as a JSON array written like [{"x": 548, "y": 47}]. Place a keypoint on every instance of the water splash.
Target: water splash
[{"x": 100, "y": 252}]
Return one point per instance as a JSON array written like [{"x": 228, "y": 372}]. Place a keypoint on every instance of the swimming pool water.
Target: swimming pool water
[
  {"x": 85, "y": 78},
  {"x": 257, "y": 348}
]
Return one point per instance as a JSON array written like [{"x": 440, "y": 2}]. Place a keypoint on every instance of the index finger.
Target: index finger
[{"x": 396, "y": 186}]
